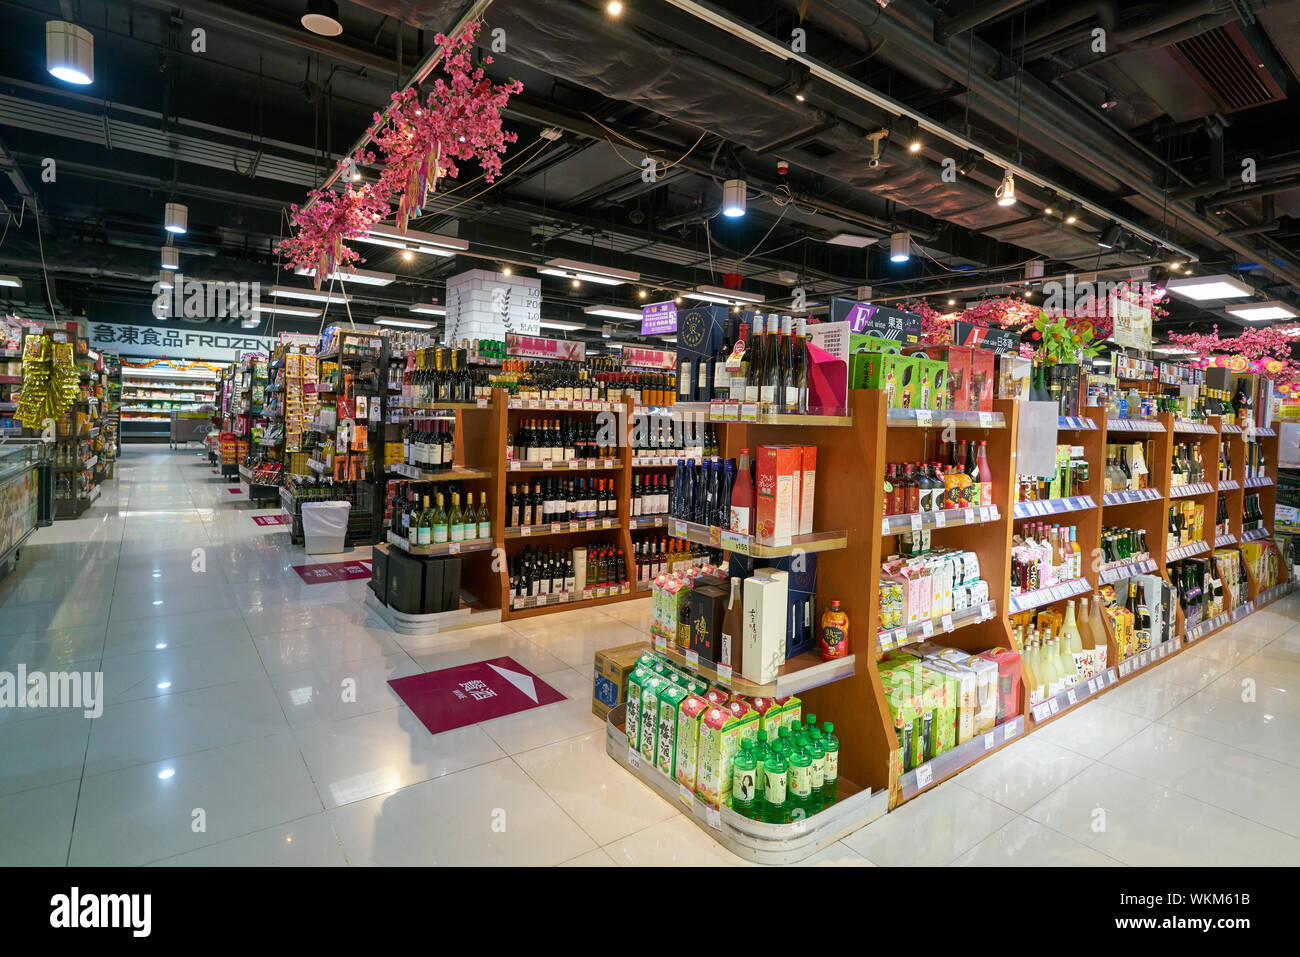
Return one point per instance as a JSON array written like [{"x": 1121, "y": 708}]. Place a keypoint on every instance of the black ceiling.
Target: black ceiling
[{"x": 246, "y": 126}]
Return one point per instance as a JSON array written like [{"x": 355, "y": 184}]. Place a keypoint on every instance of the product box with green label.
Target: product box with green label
[
  {"x": 670, "y": 701},
  {"x": 636, "y": 680},
  {"x": 898, "y": 376},
  {"x": 647, "y": 724},
  {"x": 934, "y": 384},
  {"x": 859, "y": 346},
  {"x": 689, "y": 714},
  {"x": 720, "y": 732}
]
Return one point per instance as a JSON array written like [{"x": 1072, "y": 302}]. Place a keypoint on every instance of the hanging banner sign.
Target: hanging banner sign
[
  {"x": 649, "y": 358},
  {"x": 659, "y": 319},
  {"x": 1132, "y": 324},
  {"x": 299, "y": 339},
  {"x": 168, "y": 341},
  {"x": 535, "y": 347}
]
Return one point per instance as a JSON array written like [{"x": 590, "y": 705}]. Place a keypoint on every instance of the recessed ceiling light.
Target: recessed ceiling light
[
  {"x": 1202, "y": 288},
  {"x": 605, "y": 275},
  {"x": 726, "y": 297},
  {"x": 561, "y": 326},
  {"x": 1263, "y": 311},
  {"x": 322, "y": 18},
  {"x": 613, "y": 312}
]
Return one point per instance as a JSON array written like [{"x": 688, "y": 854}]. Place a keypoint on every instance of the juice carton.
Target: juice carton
[
  {"x": 648, "y": 724},
  {"x": 742, "y": 711},
  {"x": 776, "y": 492},
  {"x": 955, "y": 724},
  {"x": 791, "y": 710},
  {"x": 688, "y": 738},
  {"x": 717, "y": 697},
  {"x": 636, "y": 680},
  {"x": 719, "y": 741},
  {"x": 770, "y": 716},
  {"x": 670, "y": 702},
  {"x": 1008, "y": 695}
]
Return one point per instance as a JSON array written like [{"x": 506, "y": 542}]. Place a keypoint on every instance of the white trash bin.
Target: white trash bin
[{"x": 325, "y": 526}]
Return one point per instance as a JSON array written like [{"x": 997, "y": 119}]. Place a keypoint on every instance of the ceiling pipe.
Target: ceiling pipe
[
  {"x": 1252, "y": 230},
  {"x": 1226, "y": 185},
  {"x": 977, "y": 13}
]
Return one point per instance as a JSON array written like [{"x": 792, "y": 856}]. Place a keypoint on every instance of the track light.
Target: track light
[
  {"x": 900, "y": 247},
  {"x": 733, "y": 198},
  {"x": 171, "y": 257},
  {"x": 1110, "y": 236},
  {"x": 970, "y": 159},
  {"x": 1006, "y": 193},
  {"x": 1071, "y": 214},
  {"x": 322, "y": 18},
  {"x": 69, "y": 52},
  {"x": 614, "y": 8},
  {"x": 176, "y": 218}
]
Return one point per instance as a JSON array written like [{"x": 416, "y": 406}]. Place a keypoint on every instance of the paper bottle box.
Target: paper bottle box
[
  {"x": 1008, "y": 663},
  {"x": 670, "y": 701},
  {"x": 763, "y": 640},
  {"x": 647, "y": 725},
  {"x": 636, "y": 680},
  {"x": 718, "y": 742},
  {"x": 689, "y": 713},
  {"x": 776, "y": 492}
]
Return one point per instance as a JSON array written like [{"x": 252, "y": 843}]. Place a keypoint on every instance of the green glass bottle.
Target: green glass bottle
[
  {"x": 832, "y": 746},
  {"x": 441, "y": 528},
  {"x": 743, "y": 776},
  {"x": 800, "y": 784},
  {"x": 774, "y": 791}
]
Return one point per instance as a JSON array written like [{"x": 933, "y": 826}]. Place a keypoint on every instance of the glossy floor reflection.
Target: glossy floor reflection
[{"x": 222, "y": 706}]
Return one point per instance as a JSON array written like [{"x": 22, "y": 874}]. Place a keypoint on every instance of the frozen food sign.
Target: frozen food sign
[
  {"x": 659, "y": 319},
  {"x": 162, "y": 342}
]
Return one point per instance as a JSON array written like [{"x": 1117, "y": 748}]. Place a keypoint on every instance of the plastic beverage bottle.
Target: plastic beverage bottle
[
  {"x": 783, "y": 738},
  {"x": 809, "y": 722},
  {"x": 832, "y": 746},
  {"x": 743, "y": 778},
  {"x": 761, "y": 755},
  {"x": 817, "y": 755},
  {"x": 796, "y": 729},
  {"x": 800, "y": 782},
  {"x": 774, "y": 789},
  {"x": 835, "y": 636}
]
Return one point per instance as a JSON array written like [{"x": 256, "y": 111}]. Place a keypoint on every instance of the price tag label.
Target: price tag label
[
  {"x": 724, "y": 673},
  {"x": 482, "y": 401},
  {"x": 986, "y": 610},
  {"x": 693, "y": 659},
  {"x": 713, "y": 818},
  {"x": 685, "y": 795},
  {"x": 1092, "y": 686},
  {"x": 748, "y": 412},
  {"x": 532, "y": 403},
  {"x": 591, "y": 463},
  {"x": 1040, "y": 712},
  {"x": 634, "y": 757},
  {"x": 550, "y": 404},
  {"x": 927, "y": 628},
  {"x": 514, "y": 465},
  {"x": 923, "y": 418},
  {"x": 968, "y": 516},
  {"x": 988, "y": 513},
  {"x": 916, "y": 522},
  {"x": 1071, "y": 697},
  {"x": 900, "y": 635},
  {"x": 546, "y": 465},
  {"x": 947, "y": 623},
  {"x": 986, "y": 419},
  {"x": 606, "y": 523},
  {"x": 884, "y": 526},
  {"x": 591, "y": 523},
  {"x": 679, "y": 527},
  {"x": 1054, "y": 705},
  {"x": 990, "y": 739},
  {"x": 940, "y": 519},
  {"x": 541, "y": 600},
  {"x": 526, "y": 531},
  {"x": 1010, "y": 731},
  {"x": 924, "y": 776},
  {"x": 453, "y": 548},
  {"x": 734, "y": 542}
]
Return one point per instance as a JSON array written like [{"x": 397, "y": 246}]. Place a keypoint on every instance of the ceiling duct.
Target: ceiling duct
[{"x": 1223, "y": 63}]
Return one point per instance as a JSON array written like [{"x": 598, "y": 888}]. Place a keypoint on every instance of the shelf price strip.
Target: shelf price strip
[
  {"x": 1131, "y": 495},
  {"x": 1144, "y": 658},
  {"x": 1185, "y": 491},
  {"x": 1198, "y": 428},
  {"x": 1077, "y": 423},
  {"x": 891, "y": 638},
  {"x": 930, "y": 418},
  {"x": 1045, "y": 596},
  {"x": 945, "y": 765},
  {"x": 1072, "y": 696},
  {"x": 1254, "y": 535},
  {"x": 1134, "y": 425},
  {"x": 1143, "y": 567},
  {"x": 1228, "y": 485},
  {"x": 1205, "y": 627},
  {"x": 1053, "y": 506},
  {"x": 1258, "y": 482},
  {"x": 915, "y": 521},
  {"x": 1224, "y": 540},
  {"x": 1187, "y": 551},
  {"x": 1230, "y": 429}
]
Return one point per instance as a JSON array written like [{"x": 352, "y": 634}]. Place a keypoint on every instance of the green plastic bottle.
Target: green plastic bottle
[
  {"x": 775, "y": 798},
  {"x": 817, "y": 755},
  {"x": 832, "y": 746},
  {"x": 800, "y": 785},
  {"x": 743, "y": 775},
  {"x": 809, "y": 722},
  {"x": 761, "y": 753},
  {"x": 796, "y": 728},
  {"x": 783, "y": 736}
]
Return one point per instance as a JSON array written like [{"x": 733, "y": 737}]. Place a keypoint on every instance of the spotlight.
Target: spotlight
[
  {"x": 407, "y": 255},
  {"x": 641, "y": 294},
  {"x": 505, "y": 271},
  {"x": 900, "y": 247},
  {"x": 577, "y": 283},
  {"x": 614, "y": 8},
  {"x": 176, "y": 218},
  {"x": 1006, "y": 193},
  {"x": 952, "y": 302},
  {"x": 69, "y": 52},
  {"x": 801, "y": 88},
  {"x": 1110, "y": 237},
  {"x": 322, "y": 18},
  {"x": 733, "y": 198},
  {"x": 1071, "y": 214},
  {"x": 969, "y": 161},
  {"x": 1108, "y": 101}
]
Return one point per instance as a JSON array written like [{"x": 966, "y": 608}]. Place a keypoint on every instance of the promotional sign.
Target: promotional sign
[
  {"x": 659, "y": 319},
  {"x": 164, "y": 341},
  {"x": 644, "y": 358},
  {"x": 298, "y": 338},
  {"x": 1132, "y": 324},
  {"x": 996, "y": 341},
  {"x": 467, "y": 694},
  {"x": 333, "y": 572},
  {"x": 535, "y": 347},
  {"x": 864, "y": 318},
  {"x": 270, "y": 520}
]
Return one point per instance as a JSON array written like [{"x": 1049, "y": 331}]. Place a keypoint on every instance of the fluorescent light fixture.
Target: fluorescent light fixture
[
  {"x": 429, "y": 243},
  {"x": 900, "y": 247},
  {"x": 11, "y": 282},
  {"x": 69, "y": 52},
  {"x": 176, "y": 218},
  {"x": 1006, "y": 193},
  {"x": 562, "y": 326},
  {"x": 164, "y": 280},
  {"x": 613, "y": 312},
  {"x": 851, "y": 239},
  {"x": 171, "y": 257},
  {"x": 1263, "y": 311},
  {"x": 285, "y": 310},
  {"x": 727, "y": 297},
  {"x": 733, "y": 198},
  {"x": 404, "y": 323},
  {"x": 309, "y": 294},
  {"x": 1202, "y": 288},
  {"x": 428, "y": 309},
  {"x": 605, "y": 275},
  {"x": 612, "y": 345},
  {"x": 672, "y": 339},
  {"x": 362, "y": 277}
]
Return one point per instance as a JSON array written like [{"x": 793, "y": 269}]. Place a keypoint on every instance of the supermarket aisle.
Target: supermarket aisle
[{"x": 225, "y": 739}]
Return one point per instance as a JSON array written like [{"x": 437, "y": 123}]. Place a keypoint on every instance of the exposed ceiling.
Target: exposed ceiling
[{"x": 245, "y": 126}]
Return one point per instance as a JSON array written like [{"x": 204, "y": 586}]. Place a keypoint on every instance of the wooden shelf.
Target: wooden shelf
[
  {"x": 903, "y": 635},
  {"x": 943, "y": 766},
  {"x": 944, "y": 518},
  {"x": 1037, "y": 508},
  {"x": 797, "y": 675},
  {"x": 745, "y": 545},
  {"x": 441, "y": 549},
  {"x": 943, "y": 419},
  {"x": 572, "y": 465},
  {"x": 1131, "y": 497},
  {"x": 1143, "y": 566},
  {"x": 457, "y": 474},
  {"x": 563, "y": 528},
  {"x": 1050, "y": 595},
  {"x": 1071, "y": 697}
]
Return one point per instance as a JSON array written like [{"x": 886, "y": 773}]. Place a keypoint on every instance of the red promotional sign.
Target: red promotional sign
[
  {"x": 270, "y": 519},
  {"x": 454, "y": 697},
  {"x": 333, "y": 572},
  {"x": 649, "y": 358},
  {"x": 535, "y": 347}
]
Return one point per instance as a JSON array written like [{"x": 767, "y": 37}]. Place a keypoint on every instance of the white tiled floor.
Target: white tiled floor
[{"x": 224, "y": 739}]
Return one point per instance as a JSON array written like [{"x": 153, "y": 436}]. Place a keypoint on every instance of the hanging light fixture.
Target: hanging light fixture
[
  {"x": 900, "y": 247},
  {"x": 733, "y": 198},
  {"x": 1006, "y": 193},
  {"x": 69, "y": 52},
  {"x": 1110, "y": 237},
  {"x": 322, "y": 18},
  {"x": 171, "y": 257},
  {"x": 1072, "y": 214},
  {"x": 176, "y": 218},
  {"x": 165, "y": 279}
]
